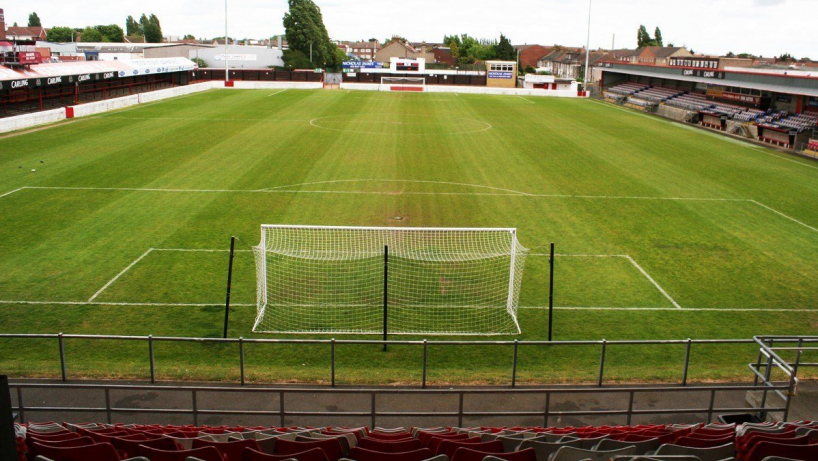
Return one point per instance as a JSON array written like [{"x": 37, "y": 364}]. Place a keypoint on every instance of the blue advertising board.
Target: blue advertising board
[
  {"x": 495, "y": 74},
  {"x": 361, "y": 65}
]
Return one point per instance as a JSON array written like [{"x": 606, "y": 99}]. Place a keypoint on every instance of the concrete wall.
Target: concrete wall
[
  {"x": 20, "y": 122},
  {"x": 248, "y": 85},
  {"x": 177, "y": 91},
  {"x": 92, "y": 108},
  {"x": 241, "y": 57},
  {"x": 471, "y": 90}
]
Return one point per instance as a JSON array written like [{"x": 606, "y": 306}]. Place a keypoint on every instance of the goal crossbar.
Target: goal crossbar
[{"x": 332, "y": 279}]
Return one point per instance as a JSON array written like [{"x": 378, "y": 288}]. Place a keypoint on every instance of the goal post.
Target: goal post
[
  {"x": 452, "y": 281},
  {"x": 402, "y": 84}
]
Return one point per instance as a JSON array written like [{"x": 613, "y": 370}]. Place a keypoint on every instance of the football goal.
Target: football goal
[
  {"x": 369, "y": 280},
  {"x": 402, "y": 84}
]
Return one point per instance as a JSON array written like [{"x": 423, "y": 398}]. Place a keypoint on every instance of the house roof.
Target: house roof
[
  {"x": 368, "y": 45},
  {"x": 25, "y": 32}
]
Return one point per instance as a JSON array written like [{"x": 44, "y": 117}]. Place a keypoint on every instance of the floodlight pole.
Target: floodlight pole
[
  {"x": 551, "y": 292},
  {"x": 385, "y": 293},
  {"x": 229, "y": 284},
  {"x": 226, "y": 59},
  {"x": 587, "y": 50}
]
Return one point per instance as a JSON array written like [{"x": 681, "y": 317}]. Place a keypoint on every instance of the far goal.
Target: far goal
[
  {"x": 402, "y": 84},
  {"x": 315, "y": 279}
]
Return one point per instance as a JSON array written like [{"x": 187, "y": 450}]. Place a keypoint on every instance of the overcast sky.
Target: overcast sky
[{"x": 765, "y": 27}]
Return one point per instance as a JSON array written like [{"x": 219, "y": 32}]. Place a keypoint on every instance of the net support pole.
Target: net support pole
[
  {"x": 385, "y": 294},
  {"x": 229, "y": 283},
  {"x": 551, "y": 292}
]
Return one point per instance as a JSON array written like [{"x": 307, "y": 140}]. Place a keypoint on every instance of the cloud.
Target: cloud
[{"x": 768, "y": 2}]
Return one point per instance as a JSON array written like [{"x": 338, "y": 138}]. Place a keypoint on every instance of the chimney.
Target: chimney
[
  {"x": 2, "y": 25},
  {"x": 423, "y": 48}
]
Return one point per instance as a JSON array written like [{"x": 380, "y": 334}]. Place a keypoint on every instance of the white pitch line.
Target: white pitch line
[
  {"x": 11, "y": 192},
  {"x": 785, "y": 216},
  {"x": 202, "y": 250},
  {"x": 277, "y": 92},
  {"x": 658, "y": 287},
  {"x": 524, "y": 99},
  {"x": 579, "y": 255},
  {"x": 419, "y": 181},
  {"x": 671, "y": 309},
  {"x": 110, "y": 282}
]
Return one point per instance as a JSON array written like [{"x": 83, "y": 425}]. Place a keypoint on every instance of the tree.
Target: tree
[
  {"x": 786, "y": 57},
  {"x": 155, "y": 21},
  {"x": 131, "y": 26},
  {"x": 153, "y": 34},
  {"x": 111, "y": 33},
  {"x": 143, "y": 21},
  {"x": 89, "y": 34},
  {"x": 658, "y": 37},
  {"x": 60, "y": 34},
  {"x": 189, "y": 37},
  {"x": 295, "y": 59},
  {"x": 504, "y": 50},
  {"x": 730, "y": 54},
  {"x": 199, "y": 62},
  {"x": 642, "y": 37},
  {"x": 304, "y": 26},
  {"x": 34, "y": 20}
]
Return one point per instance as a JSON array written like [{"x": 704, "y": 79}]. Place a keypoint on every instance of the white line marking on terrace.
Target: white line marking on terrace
[
  {"x": 629, "y": 258},
  {"x": 277, "y": 92},
  {"x": 658, "y": 287},
  {"x": 785, "y": 216},
  {"x": 11, "y": 192},
  {"x": 110, "y": 282}
]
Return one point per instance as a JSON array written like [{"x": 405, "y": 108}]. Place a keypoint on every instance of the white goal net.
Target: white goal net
[
  {"x": 402, "y": 84},
  {"x": 315, "y": 279}
]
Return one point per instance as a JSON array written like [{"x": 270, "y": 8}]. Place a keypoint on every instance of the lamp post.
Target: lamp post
[{"x": 587, "y": 50}]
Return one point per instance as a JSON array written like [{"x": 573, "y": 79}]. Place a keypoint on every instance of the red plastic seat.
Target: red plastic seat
[
  {"x": 30, "y": 437},
  {"x": 426, "y": 437},
  {"x": 389, "y": 446},
  {"x": 435, "y": 442},
  {"x": 449, "y": 447},
  {"x": 465, "y": 454},
  {"x": 385, "y": 436},
  {"x": 315, "y": 454},
  {"x": 785, "y": 437},
  {"x": 232, "y": 451},
  {"x": 362, "y": 454},
  {"x": 78, "y": 442},
  {"x": 131, "y": 446},
  {"x": 96, "y": 452},
  {"x": 331, "y": 447},
  {"x": 689, "y": 441},
  {"x": 764, "y": 449},
  {"x": 155, "y": 454}
]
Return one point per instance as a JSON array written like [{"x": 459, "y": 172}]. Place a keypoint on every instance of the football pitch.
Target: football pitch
[{"x": 662, "y": 231}]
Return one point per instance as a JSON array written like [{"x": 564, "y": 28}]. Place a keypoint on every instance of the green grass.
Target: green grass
[{"x": 726, "y": 229}]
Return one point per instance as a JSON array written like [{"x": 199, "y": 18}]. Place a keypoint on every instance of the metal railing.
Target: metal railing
[
  {"x": 770, "y": 359},
  {"x": 462, "y": 398},
  {"x": 333, "y": 345}
]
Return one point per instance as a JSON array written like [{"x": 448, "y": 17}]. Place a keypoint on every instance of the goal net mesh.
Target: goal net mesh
[
  {"x": 439, "y": 281},
  {"x": 402, "y": 83}
]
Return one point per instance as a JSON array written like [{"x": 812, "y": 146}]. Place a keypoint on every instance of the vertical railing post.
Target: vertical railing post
[
  {"x": 687, "y": 362},
  {"x": 793, "y": 377},
  {"x": 108, "y": 405},
  {"x": 767, "y": 375},
  {"x": 241, "y": 358},
  {"x": 710, "y": 407},
  {"x": 602, "y": 362},
  {"x": 195, "y": 407},
  {"x": 630, "y": 408},
  {"x": 514, "y": 366},
  {"x": 280, "y": 408},
  {"x": 62, "y": 357},
  {"x": 460, "y": 409},
  {"x": 150, "y": 352},
  {"x": 372, "y": 410},
  {"x": 547, "y": 409},
  {"x": 423, "y": 380},
  {"x": 21, "y": 409},
  {"x": 332, "y": 360}
]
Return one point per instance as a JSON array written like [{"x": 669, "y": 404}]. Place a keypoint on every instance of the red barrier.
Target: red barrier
[
  {"x": 69, "y": 112},
  {"x": 228, "y": 83}
]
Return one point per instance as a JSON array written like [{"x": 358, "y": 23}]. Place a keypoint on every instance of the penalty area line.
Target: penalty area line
[
  {"x": 13, "y": 191},
  {"x": 118, "y": 303},
  {"x": 117, "y": 276},
  {"x": 277, "y": 92}
]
